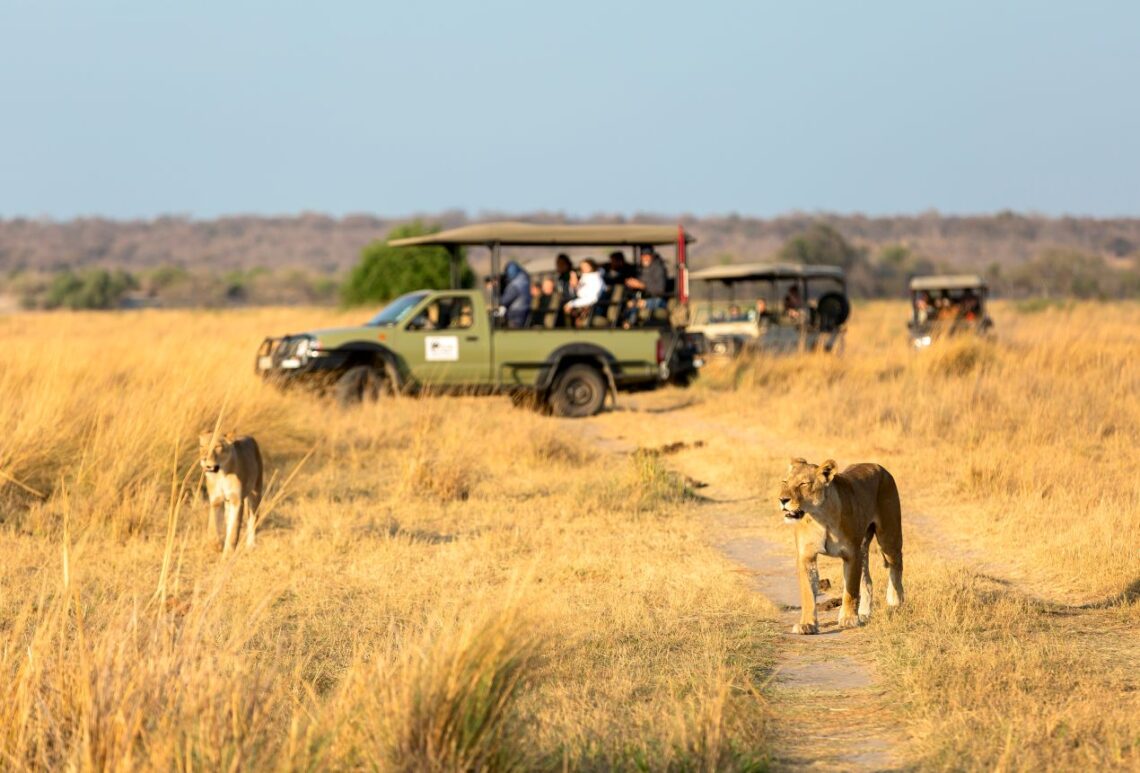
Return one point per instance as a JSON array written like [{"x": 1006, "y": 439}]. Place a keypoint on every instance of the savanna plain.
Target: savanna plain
[{"x": 455, "y": 583}]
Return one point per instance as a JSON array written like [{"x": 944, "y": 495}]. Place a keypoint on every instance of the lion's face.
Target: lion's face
[
  {"x": 214, "y": 452},
  {"x": 805, "y": 488}
]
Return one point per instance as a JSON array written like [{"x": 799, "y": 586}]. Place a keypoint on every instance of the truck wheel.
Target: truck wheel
[
  {"x": 684, "y": 379},
  {"x": 360, "y": 383},
  {"x": 578, "y": 391}
]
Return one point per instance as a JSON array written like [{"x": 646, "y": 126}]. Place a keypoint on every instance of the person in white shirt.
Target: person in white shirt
[{"x": 590, "y": 288}]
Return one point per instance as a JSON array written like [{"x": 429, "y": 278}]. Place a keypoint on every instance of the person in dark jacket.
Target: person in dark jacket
[
  {"x": 620, "y": 273},
  {"x": 653, "y": 277},
  {"x": 650, "y": 284},
  {"x": 514, "y": 295},
  {"x": 565, "y": 276}
]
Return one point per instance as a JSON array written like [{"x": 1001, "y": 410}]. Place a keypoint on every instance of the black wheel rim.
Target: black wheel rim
[{"x": 579, "y": 393}]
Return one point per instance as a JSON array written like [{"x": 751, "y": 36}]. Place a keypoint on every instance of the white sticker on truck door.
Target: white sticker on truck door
[{"x": 441, "y": 348}]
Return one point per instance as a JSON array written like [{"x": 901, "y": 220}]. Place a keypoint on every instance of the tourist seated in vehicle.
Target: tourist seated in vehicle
[
  {"x": 428, "y": 319},
  {"x": 759, "y": 311},
  {"x": 969, "y": 305},
  {"x": 444, "y": 314},
  {"x": 923, "y": 305},
  {"x": 736, "y": 314},
  {"x": 514, "y": 297},
  {"x": 590, "y": 288},
  {"x": 465, "y": 316},
  {"x": 945, "y": 308},
  {"x": 545, "y": 307},
  {"x": 650, "y": 287},
  {"x": 565, "y": 277},
  {"x": 620, "y": 272},
  {"x": 793, "y": 304}
]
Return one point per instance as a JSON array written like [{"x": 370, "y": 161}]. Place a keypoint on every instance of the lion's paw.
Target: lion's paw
[
  {"x": 805, "y": 628},
  {"x": 850, "y": 621}
]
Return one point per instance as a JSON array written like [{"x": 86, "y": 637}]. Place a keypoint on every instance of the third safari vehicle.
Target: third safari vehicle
[{"x": 947, "y": 304}]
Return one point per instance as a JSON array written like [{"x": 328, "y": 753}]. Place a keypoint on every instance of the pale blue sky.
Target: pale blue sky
[{"x": 139, "y": 108}]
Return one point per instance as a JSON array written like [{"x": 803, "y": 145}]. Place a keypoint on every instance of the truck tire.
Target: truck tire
[
  {"x": 683, "y": 379},
  {"x": 579, "y": 391},
  {"x": 360, "y": 383},
  {"x": 832, "y": 310}
]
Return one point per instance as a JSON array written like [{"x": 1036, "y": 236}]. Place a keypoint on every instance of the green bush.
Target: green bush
[
  {"x": 821, "y": 244},
  {"x": 385, "y": 272},
  {"x": 93, "y": 289}
]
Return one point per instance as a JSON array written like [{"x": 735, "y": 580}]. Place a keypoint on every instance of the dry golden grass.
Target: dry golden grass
[
  {"x": 453, "y": 583},
  {"x": 442, "y": 584},
  {"x": 1016, "y": 460}
]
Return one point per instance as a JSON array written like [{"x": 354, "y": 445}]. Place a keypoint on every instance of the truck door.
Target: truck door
[{"x": 449, "y": 342}]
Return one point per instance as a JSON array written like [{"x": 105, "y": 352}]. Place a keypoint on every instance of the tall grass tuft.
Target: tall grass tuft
[{"x": 452, "y": 702}]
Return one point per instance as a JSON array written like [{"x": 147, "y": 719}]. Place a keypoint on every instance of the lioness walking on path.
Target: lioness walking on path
[
  {"x": 233, "y": 485},
  {"x": 837, "y": 514}
]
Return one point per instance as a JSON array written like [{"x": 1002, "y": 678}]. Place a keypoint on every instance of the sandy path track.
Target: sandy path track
[
  {"x": 831, "y": 704},
  {"x": 831, "y": 711}
]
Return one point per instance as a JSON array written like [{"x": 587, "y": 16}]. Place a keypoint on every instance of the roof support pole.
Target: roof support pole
[
  {"x": 496, "y": 273},
  {"x": 453, "y": 254},
  {"x": 803, "y": 314}
]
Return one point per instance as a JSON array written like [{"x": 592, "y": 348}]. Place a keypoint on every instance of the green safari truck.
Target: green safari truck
[{"x": 451, "y": 341}]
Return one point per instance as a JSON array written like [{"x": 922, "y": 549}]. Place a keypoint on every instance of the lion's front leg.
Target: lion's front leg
[
  {"x": 809, "y": 589},
  {"x": 215, "y": 521},
  {"x": 852, "y": 574},
  {"x": 250, "y": 523},
  {"x": 233, "y": 518}
]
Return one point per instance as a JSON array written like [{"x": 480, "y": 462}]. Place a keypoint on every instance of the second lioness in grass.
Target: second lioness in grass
[
  {"x": 837, "y": 514},
  {"x": 233, "y": 485}
]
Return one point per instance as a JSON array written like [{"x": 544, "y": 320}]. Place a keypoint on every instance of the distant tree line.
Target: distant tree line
[
  {"x": 1065, "y": 273},
  {"x": 1054, "y": 273},
  {"x": 384, "y": 272},
  {"x": 97, "y": 288}
]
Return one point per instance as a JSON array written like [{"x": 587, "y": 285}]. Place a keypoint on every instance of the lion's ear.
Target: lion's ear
[
  {"x": 231, "y": 435},
  {"x": 826, "y": 471},
  {"x": 796, "y": 462},
  {"x": 204, "y": 437}
]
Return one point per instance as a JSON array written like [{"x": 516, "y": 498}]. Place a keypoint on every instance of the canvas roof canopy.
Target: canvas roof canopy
[
  {"x": 511, "y": 234},
  {"x": 741, "y": 272},
  {"x": 947, "y": 282}
]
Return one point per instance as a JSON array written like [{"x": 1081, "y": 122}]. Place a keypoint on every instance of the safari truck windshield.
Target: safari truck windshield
[
  {"x": 609, "y": 315},
  {"x": 770, "y": 307},
  {"x": 397, "y": 310}
]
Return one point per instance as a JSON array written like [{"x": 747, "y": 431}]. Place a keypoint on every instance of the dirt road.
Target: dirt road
[{"x": 834, "y": 710}]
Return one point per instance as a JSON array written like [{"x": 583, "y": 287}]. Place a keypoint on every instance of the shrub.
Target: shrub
[
  {"x": 94, "y": 289},
  {"x": 385, "y": 272},
  {"x": 821, "y": 244}
]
